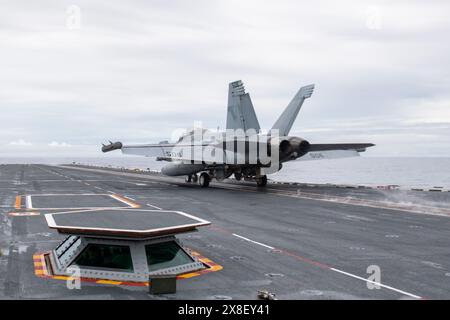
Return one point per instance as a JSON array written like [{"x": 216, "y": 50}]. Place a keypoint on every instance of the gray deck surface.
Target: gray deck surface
[{"x": 298, "y": 242}]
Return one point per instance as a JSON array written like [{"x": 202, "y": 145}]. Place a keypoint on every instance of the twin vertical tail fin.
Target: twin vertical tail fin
[
  {"x": 241, "y": 114},
  {"x": 287, "y": 118}
]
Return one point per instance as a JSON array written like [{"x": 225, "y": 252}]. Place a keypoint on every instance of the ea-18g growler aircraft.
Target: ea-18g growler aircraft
[{"x": 243, "y": 150}]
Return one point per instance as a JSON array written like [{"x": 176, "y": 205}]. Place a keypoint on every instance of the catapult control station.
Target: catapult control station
[{"x": 124, "y": 245}]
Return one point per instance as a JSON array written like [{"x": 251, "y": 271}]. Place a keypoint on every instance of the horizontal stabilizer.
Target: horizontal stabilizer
[
  {"x": 334, "y": 151},
  {"x": 359, "y": 147},
  {"x": 330, "y": 154}
]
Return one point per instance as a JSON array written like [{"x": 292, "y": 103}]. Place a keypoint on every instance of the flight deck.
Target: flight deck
[{"x": 299, "y": 241}]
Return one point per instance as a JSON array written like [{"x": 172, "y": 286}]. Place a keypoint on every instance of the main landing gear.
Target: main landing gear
[
  {"x": 261, "y": 181},
  {"x": 203, "y": 180}
]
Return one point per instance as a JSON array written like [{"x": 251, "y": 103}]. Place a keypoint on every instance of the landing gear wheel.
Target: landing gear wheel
[
  {"x": 195, "y": 178},
  {"x": 188, "y": 179},
  {"x": 261, "y": 181},
  {"x": 238, "y": 176},
  {"x": 204, "y": 180}
]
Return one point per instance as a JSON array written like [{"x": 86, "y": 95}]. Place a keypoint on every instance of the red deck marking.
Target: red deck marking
[{"x": 315, "y": 263}]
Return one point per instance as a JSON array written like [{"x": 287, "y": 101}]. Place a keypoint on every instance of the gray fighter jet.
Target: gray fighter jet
[{"x": 242, "y": 151}]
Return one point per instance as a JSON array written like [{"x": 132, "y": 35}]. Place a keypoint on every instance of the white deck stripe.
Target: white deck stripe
[
  {"x": 376, "y": 283},
  {"x": 150, "y": 205},
  {"x": 255, "y": 242},
  {"x": 29, "y": 203},
  {"x": 341, "y": 272}
]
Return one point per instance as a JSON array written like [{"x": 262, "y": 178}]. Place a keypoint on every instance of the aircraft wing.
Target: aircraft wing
[
  {"x": 149, "y": 150},
  {"x": 187, "y": 152},
  {"x": 162, "y": 150},
  {"x": 167, "y": 151}
]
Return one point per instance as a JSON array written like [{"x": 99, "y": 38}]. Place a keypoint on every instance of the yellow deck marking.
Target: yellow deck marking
[
  {"x": 109, "y": 282},
  {"x": 40, "y": 270},
  {"x": 18, "y": 202},
  {"x": 189, "y": 275},
  {"x": 127, "y": 201}
]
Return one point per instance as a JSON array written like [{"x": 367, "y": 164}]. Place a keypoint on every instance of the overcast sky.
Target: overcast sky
[{"x": 76, "y": 73}]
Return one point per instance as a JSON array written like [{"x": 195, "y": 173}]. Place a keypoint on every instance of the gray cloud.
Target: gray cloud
[{"x": 137, "y": 70}]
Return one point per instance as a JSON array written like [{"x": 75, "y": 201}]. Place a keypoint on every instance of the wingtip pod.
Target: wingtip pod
[{"x": 112, "y": 146}]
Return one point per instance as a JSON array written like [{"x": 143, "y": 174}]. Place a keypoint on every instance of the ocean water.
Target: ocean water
[{"x": 405, "y": 172}]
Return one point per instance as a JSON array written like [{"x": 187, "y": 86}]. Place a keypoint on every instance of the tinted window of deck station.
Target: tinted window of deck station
[
  {"x": 106, "y": 256},
  {"x": 165, "y": 255}
]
